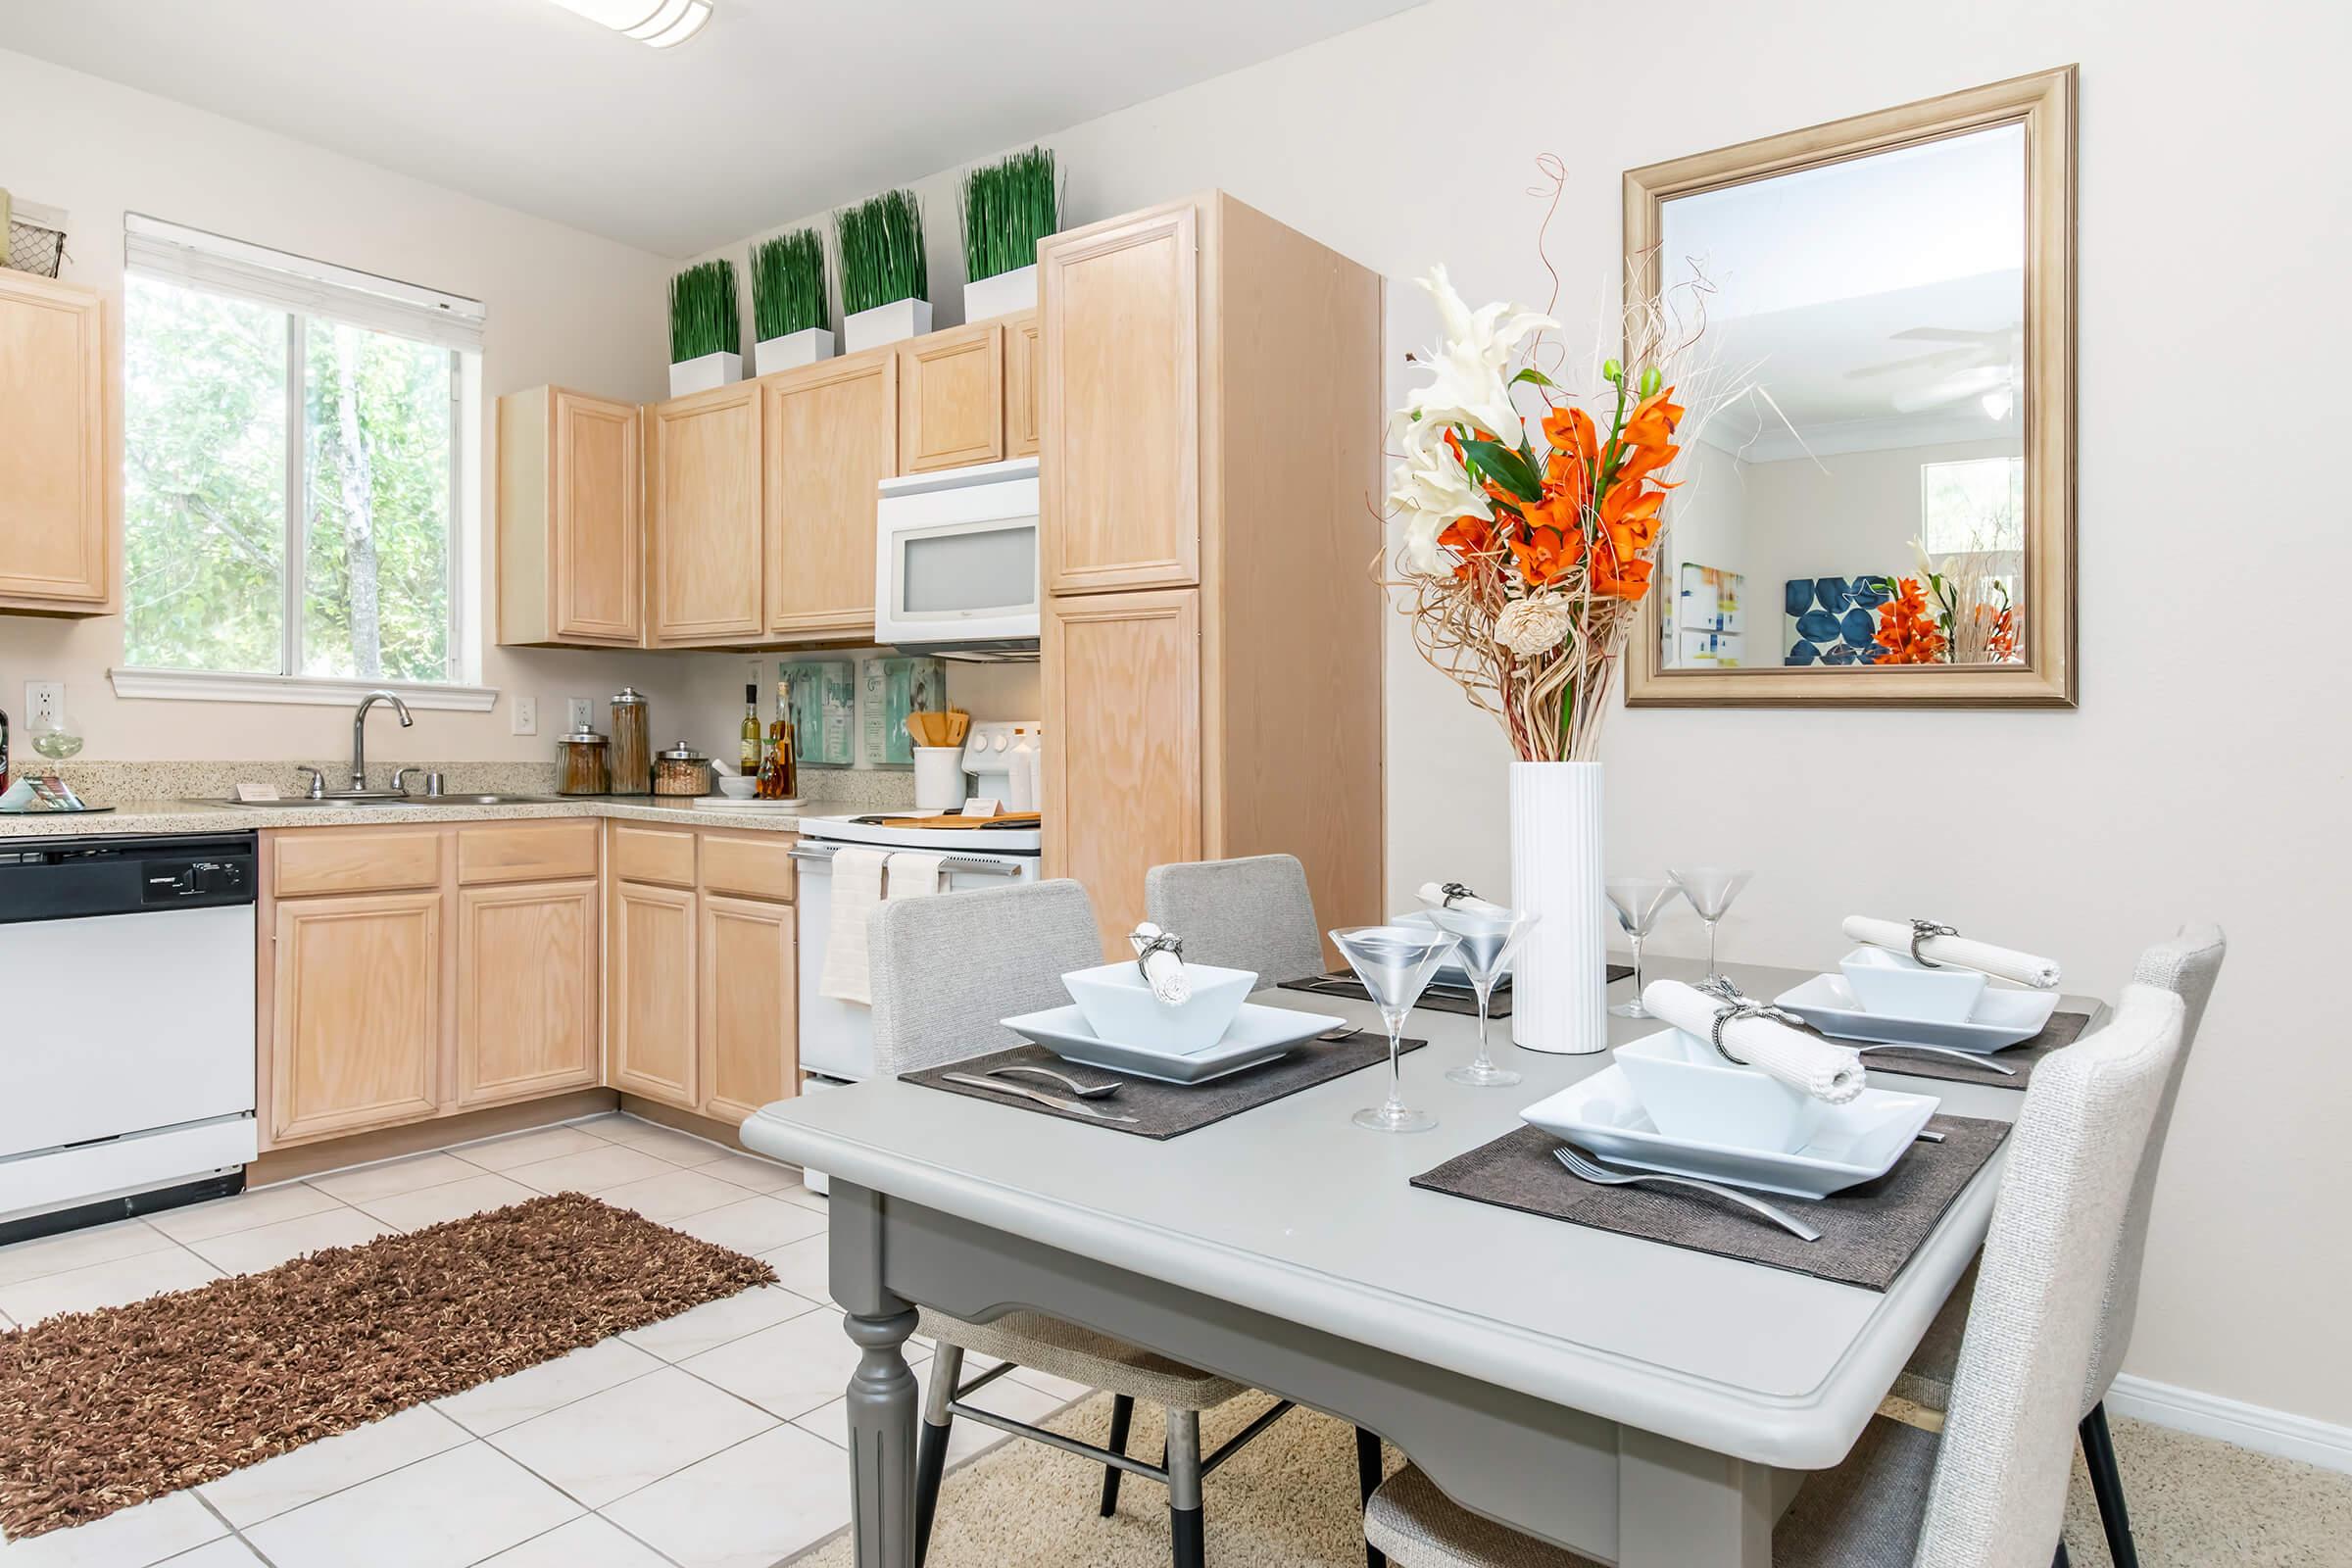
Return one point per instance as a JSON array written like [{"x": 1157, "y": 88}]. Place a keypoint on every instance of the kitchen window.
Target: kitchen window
[{"x": 293, "y": 495}]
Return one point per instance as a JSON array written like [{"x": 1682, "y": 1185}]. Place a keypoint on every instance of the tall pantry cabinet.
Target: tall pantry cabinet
[{"x": 1210, "y": 474}]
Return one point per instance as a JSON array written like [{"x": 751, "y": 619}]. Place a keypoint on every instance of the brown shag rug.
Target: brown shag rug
[{"x": 100, "y": 1410}]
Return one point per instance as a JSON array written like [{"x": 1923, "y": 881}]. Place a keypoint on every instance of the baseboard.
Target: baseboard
[{"x": 2249, "y": 1426}]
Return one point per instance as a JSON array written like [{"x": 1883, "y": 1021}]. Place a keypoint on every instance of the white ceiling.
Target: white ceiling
[{"x": 780, "y": 108}]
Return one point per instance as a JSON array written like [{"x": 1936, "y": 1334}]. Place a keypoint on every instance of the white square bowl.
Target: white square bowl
[
  {"x": 1693, "y": 1093},
  {"x": 1119, "y": 1006},
  {"x": 1901, "y": 986}
]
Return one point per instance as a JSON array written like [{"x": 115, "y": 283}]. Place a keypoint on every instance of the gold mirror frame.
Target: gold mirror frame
[{"x": 2045, "y": 105}]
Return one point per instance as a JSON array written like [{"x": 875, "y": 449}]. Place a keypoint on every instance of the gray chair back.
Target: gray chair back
[
  {"x": 1250, "y": 914},
  {"x": 2186, "y": 966},
  {"x": 1999, "y": 1488},
  {"x": 945, "y": 970}
]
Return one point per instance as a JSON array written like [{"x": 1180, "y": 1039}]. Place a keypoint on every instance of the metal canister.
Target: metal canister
[
  {"x": 632, "y": 754},
  {"x": 682, "y": 770},
  {"x": 582, "y": 753}
]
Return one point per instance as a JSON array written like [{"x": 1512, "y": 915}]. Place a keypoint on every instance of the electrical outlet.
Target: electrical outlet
[
  {"x": 525, "y": 716},
  {"x": 580, "y": 714},
  {"x": 44, "y": 701}
]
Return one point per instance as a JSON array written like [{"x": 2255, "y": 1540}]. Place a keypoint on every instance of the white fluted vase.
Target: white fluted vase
[{"x": 1560, "y": 979}]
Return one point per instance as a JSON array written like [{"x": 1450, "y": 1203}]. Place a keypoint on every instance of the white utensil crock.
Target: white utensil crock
[
  {"x": 938, "y": 778},
  {"x": 1559, "y": 980}
]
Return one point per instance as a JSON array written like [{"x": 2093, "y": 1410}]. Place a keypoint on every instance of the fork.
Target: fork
[
  {"x": 1970, "y": 1059},
  {"x": 1592, "y": 1171},
  {"x": 1076, "y": 1107},
  {"x": 1082, "y": 1091}
]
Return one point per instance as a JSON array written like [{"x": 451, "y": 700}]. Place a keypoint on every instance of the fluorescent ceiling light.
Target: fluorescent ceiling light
[{"x": 659, "y": 23}]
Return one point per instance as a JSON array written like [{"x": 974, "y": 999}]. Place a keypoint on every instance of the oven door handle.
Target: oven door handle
[{"x": 953, "y": 863}]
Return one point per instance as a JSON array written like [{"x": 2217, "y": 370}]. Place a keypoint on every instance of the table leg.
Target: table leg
[
  {"x": 1683, "y": 1507},
  {"x": 882, "y": 1406}
]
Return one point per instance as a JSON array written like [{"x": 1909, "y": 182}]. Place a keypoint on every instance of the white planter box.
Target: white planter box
[
  {"x": 701, "y": 376},
  {"x": 894, "y": 323},
  {"x": 1005, "y": 294},
  {"x": 793, "y": 350}
]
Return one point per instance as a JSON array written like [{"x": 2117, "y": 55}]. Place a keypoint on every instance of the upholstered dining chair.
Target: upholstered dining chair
[
  {"x": 2186, "y": 965},
  {"x": 1991, "y": 1490},
  {"x": 1250, "y": 914},
  {"x": 942, "y": 971}
]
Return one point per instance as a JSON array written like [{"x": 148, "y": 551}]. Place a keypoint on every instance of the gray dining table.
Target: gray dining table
[{"x": 1642, "y": 1403}]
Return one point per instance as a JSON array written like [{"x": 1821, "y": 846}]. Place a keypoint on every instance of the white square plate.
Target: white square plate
[
  {"x": 1855, "y": 1143},
  {"x": 1259, "y": 1034},
  {"x": 2003, "y": 1017}
]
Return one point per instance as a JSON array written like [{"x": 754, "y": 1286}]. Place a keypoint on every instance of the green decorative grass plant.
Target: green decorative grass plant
[
  {"x": 703, "y": 317},
  {"x": 881, "y": 252},
  {"x": 1007, "y": 208},
  {"x": 788, "y": 284}
]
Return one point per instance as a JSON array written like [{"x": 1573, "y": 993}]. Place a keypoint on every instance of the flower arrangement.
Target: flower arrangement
[
  {"x": 1524, "y": 563},
  {"x": 1974, "y": 622},
  {"x": 1904, "y": 629}
]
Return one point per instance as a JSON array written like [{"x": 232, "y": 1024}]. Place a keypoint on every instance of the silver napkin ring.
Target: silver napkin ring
[
  {"x": 1921, "y": 930},
  {"x": 1455, "y": 890},
  {"x": 1737, "y": 1007},
  {"x": 1166, "y": 941}
]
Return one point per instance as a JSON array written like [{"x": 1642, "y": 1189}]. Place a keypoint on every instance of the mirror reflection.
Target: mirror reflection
[{"x": 1864, "y": 503}]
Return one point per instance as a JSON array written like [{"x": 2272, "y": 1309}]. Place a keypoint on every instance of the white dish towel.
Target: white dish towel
[
  {"x": 1825, "y": 1071},
  {"x": 857, "y": 892},
  {"x": 2002, "y": 963},
  {"x": 1433, "y": 897},
  {"x": 915, "y": 875}
]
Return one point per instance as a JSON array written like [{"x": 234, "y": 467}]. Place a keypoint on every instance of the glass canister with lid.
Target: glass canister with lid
[
  {"x": 632, "y": 753},
  {"x": 584, "y": 771},
  {"x": 682, "y": 770}
]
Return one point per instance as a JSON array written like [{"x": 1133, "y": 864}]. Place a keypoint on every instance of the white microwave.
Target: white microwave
[{"x": 955, "y": 559}]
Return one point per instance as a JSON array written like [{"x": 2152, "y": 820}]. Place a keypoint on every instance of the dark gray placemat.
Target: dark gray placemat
[
  {"x": 1167, "y": 1110},
  {"x": 1449, "y": 998},
  {"x": 1867, "y": 1232},
  {"x": 2063, "y": 1029}
]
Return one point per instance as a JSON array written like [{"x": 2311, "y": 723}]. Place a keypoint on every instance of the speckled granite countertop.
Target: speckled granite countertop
[{"x": 197, "y": 817}]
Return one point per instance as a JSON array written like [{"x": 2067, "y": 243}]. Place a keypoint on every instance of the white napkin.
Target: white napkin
[
  {"x": 1433, "y": 896},
  {"x": 1827, "y": 1072},
  {"x": 2002, "y": 963},
  {"x": 856, "y": 891},
  {"x": 1163, "y": 971},
  {"x": 915, "y": 875}
]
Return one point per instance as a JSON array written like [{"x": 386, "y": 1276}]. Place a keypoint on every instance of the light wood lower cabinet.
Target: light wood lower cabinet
[
  {"x": 650, "y": 968},
  {"x": 356, "y": 1018},
  {"x": 526, "y": 990},
  {"x": 748, "y": 1004}
]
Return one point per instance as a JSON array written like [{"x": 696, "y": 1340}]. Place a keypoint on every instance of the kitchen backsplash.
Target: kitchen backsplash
[{"x": 106, "y": 783}]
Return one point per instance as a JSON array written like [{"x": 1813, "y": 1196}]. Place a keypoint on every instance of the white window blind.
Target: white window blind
[{"x": 219, "y": 264}]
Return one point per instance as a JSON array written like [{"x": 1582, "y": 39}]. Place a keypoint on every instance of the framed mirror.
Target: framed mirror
[{"x": 1884, "y": 516}]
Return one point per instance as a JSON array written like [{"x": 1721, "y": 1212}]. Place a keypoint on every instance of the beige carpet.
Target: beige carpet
[{"x": 1288, "y": 1500}]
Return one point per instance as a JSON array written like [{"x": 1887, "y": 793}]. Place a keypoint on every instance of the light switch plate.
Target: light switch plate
[
  {"x": 580, "y": 714},
  {"x": 525, "y": 716},
  {"x": 44, "y": 700}
]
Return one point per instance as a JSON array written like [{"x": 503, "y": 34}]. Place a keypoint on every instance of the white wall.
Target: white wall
[
  {"x": 564, "y": 307},
  {"x": 2203, "y": 776}
]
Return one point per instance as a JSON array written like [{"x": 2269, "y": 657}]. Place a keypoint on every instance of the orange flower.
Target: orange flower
[
  {"x": 1905, "y": 630},
  {"x": 1470, "y": 539},
  {"x": 1547, "y": 554},
  {"x": 1622, "y": 577},
  {"x": 1569, "y": 429}
]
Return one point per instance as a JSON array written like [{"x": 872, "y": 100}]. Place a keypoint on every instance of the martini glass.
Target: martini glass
[
  {"x": 1710, "y": 890},
  {"x": 1395, "y": 963},
  {"x": 1488, "y": 939},
  {"x": 1639, "y": 901}
]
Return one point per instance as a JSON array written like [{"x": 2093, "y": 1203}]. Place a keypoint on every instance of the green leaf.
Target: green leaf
[
  {"x": 1505, "y": 467},
  {"x": 1533, "y": 377}
]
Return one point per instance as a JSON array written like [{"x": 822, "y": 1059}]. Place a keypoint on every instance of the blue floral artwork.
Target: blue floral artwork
[{"x": 1832, "y": 621}]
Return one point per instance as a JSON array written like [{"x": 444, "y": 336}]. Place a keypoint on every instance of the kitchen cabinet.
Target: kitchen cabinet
[
  {"x": 570, "y": 524},
  {"x": 951, "y": 399},
  {"x": 1024, "y": 381},
  {"x": 704, "y": 517},
  {"x": 747, "y": 1005},
  {"x": 57, "y": 477},
  {"x": 355, "y": 1024},
  {"x": 1212, "y": 636},
  {"x": 527, "y": 1003},
  {"x": 831, "y": 438},
  {"x": 650, "y": 967}
]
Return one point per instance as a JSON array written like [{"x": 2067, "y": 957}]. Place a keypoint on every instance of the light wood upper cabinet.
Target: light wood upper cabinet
[
  {"x": 570, "y": 521},
  {"x": 56, "y": 489},
  {"x": 355, "y": 1015},
  {"x": 749, "y": 1005},
  {"x": 652, "y": 978},
  {"x": 1024, "y": 384},
  {"x": 526, "y": 990},
  {"x": 831, "y": 439},
  {"x": 1119, "y": 470},
  {"x": 951, "y": 399},
  {"x": 703, "y": 516},
  {"x": 1122, "y": 763}
]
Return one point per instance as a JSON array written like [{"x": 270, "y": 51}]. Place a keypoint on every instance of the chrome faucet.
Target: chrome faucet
[{"x": 359, "y": 735}]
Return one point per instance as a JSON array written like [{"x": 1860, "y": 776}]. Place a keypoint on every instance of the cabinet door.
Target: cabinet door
[
  {"x": 598, "y": 537},
  {"x": 1120, "y": 466},
  {"x": 55, "y": 550},
  {"x": 750, "y": 1005},
  {"x": 650, "y": 965},
  {"x": 832, "y": 438},
  {"x": 952, "y": 400},
  {"x": 1024, "y": 379},
  {"x": 355, "y": 1015},
  {"x": 1122, "y": 765},
  {"x": 703, "y": 456},
  {"x": 526, "y": 990}
]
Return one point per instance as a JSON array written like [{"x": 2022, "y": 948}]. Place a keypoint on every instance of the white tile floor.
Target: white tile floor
[{"x": 712, "y": 1439}]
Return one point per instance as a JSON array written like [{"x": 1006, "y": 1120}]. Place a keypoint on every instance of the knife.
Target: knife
[{"x": 1076, "y": 1107}]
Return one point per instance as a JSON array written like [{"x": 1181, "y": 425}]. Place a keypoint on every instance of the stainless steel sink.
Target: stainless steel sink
[
  {"x": 481, "y": 799},
  {"x": 358, "y": 802}
]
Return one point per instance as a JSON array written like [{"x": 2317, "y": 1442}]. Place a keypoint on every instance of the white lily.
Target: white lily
[
  {"x": 1430, "y": 489},
  {"x": 1467, "y": 386},
  {"x": 1927, "y": 567}
]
